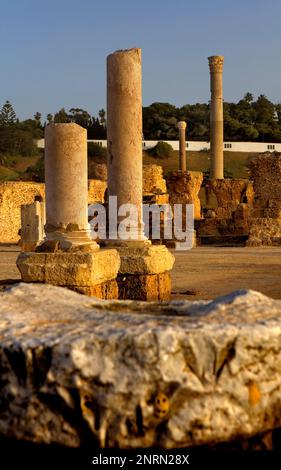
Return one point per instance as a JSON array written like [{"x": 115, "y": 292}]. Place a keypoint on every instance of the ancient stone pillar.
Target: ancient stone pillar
[
  {"x": 216, "y": 116},
  {"x": 68, "y": 256},
  {"x": 66, "y": 177},
  {"x": 182, "y": 146},
  {"x": 124, "y": 131},
  {"x": 32, "y": 225},
  {"x": 144, "y": 270}
]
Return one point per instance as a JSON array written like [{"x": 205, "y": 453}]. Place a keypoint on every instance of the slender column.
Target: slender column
[
  {"x": 182, "y": 145},
  {"x": 216, "y": 116},
  {"x": 124, "y": 132},
  {"x": 66, "y": 177}
]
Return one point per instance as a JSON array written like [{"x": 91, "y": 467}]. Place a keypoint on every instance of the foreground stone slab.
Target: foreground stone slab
[{"x": 134, "y": 374}]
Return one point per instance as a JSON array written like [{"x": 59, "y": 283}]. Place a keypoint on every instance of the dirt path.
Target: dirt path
[{"x": 203, "y": 273}]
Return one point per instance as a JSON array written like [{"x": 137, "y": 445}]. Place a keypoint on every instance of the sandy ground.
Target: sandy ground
[{"x": 202, "y": 273}]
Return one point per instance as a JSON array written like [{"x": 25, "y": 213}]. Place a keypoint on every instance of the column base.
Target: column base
[
  {"x": 107, "y": 290},
  {"x": 150, "y": 287},
  {"x": 144, "y": 272},
  {"x": 85, "y": 272}
]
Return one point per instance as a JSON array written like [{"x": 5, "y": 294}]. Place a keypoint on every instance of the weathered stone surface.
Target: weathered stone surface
[
  {"x": 264, "y": 231},
  {"x": 32, "y": 225},
  {"x": 184, "y": 187},
  {"x": 74, "y": 368},
  {"x": 229, "y": 193},
  {"x": 96, "y": 191},
  {"x": 266, "y": 173},
  {"x": 148, "y": 287},
  {"x": 153, "y": 181},
  {"x": 13, "y": 194},
  {"x": 80, "y": 269},
  {"x": 151, "y": 259},
  {"x": 107, "y": 290}
]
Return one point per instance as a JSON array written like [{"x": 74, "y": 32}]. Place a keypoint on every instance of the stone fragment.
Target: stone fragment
[
  {"x": 76, "y": 369},
  {"x": 32, "y": 225}
]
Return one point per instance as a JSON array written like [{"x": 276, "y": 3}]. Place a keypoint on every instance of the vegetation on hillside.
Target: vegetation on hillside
[{"x": 247, "y": 120}]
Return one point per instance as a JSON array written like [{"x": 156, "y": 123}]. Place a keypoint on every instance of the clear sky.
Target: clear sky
[{"x": 53, "y": 52}]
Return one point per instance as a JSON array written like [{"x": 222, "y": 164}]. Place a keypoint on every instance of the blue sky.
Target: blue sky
[{"x": 53, "y": 53}]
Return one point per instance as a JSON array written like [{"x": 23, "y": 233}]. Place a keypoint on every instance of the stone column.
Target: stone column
[
  {"x": 68, "y": 256},
  {"x": 182, "y": 146},
  {"x": 66, "y": 177},
  {"x": 124, "y": 131},
  {"x": 216, "y": 116},
  {"x": 144, "y": 270}
]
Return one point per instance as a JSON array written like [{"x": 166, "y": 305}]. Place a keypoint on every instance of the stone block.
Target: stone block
[
  {"x": 151, "y": 259},
  {"x": 32, "y": 225},
  {"x": 183, "y": 188},
  {"x": 148, "y": 287},
  {"x": 79, "y": 269},
  {"x": 107, "y": 290},
  {"x": 78, "y": 370}
]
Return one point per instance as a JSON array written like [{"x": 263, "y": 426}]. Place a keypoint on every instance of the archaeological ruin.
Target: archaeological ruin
[{"x": 108, "y": 340}]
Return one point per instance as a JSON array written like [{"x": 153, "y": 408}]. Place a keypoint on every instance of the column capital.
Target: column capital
[
  {"x": 216, "y": 63},
  {"x": 182, "y": 125}
]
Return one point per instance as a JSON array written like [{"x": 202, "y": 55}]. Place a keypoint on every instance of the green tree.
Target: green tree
[
  {"x": 7, "y": 115},
  {"x": 102, "y": 118},
  {"x": 61, "y": 116},
  {"x": 162, "y": 150},
  {"x": 50, "y": 118},
  {"x": 80, "y": 117}
]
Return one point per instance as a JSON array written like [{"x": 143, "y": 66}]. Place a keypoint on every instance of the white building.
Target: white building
[{"x": 197, "y": 146}]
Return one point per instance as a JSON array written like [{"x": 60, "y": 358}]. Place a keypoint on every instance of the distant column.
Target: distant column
[
  {"x": 66, "y": 176},
  {"x": 216, "y": 116},
  {"x": 124, "y": 131},
  {"x": 182, "y": 145}
]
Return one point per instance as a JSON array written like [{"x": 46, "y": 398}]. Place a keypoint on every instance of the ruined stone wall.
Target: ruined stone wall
[
  {"x": 13, "y": 194},
  {"x": 184, "y": 187},
  {"x": 224, "y": 196},
  {"x": 227, "y": 206},
  {"x": 265, "y": 222},
  {"x": 266, "y": 174},
  {"x": 153, "y": 181},
  {"x": 96, "y": 191}
]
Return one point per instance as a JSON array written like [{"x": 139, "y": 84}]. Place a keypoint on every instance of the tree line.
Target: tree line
[{"x": 248, "y": 120}]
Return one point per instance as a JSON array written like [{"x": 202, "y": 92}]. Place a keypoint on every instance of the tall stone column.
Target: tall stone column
[
  {"x": 144, "y": 271},
  {"x": 66, "y": 177},
  {"x": 182, "y": 145},
  {"x": 124, "y": 131},
  {"x": 216, "y": 116},
  {"x": 68, "y": 256}
]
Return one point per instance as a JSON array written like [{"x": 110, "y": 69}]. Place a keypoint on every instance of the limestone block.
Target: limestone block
[
  {"x": 151, "y": 259},
  {"x": 32, "y": 225},
  {"x": 147, "y": 287},
  {"x": 96, "y": 191},
  {"x": 153, "y": 181},
  {"x": 78, "y": 370},
  {"x": 183, "y": 188},
  {"x": 107, "y": 290},
  {"x": 79, "y": 269}
]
